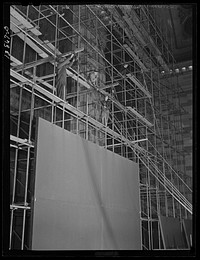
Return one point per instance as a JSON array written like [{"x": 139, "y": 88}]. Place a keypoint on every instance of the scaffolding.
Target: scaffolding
[{"x": 114, "y": 95}]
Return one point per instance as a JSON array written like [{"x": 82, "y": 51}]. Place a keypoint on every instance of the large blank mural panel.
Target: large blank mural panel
[
  {"x": 121, "y": 202},
  {"x": 62, "y": 225},
  {"x": 121, "y": 230},
  {"x": 120, "y": 181},
  {"x": 85, "y": 196},
  {"x": 66, "y": 169}
]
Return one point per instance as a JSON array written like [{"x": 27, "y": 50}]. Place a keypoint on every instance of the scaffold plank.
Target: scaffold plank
[
  {"x": 24, "y": 21},
  {"x": 21, "y": 141},
  {"x": 78, "y": 79},
  {"x": 136, "y": 81},
  {"x": 13, "y": 207},
  {"x": 45, "y": 60},
  {"x": 140, "y": 116},
  {"x": 28, "y": 41},
  {"x": 136, "y": 58}
]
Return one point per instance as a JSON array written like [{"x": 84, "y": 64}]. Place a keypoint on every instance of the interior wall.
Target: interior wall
[
  {"x": 86, "y": 197},
  {"x": 186, "y": 100}
]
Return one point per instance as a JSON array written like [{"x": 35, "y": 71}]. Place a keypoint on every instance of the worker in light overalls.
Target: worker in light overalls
[
  {"x": 61, "y": 77},
  {"x": 106, "y": 103}
]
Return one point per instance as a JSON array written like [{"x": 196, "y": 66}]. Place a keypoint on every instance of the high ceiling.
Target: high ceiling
[{"x": 178, "y": 21}]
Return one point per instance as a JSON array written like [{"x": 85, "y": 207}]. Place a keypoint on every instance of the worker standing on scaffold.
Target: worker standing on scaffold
[
  {"x": 61, "y": 77},
  {"x": 105, "y": 110},
  {"x": 104, "y": 105}
]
